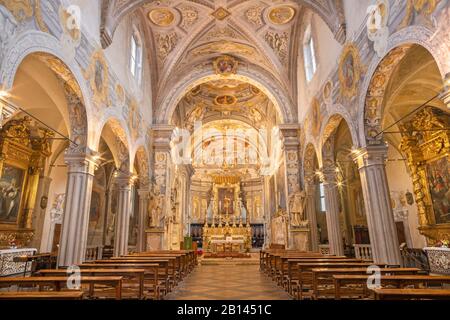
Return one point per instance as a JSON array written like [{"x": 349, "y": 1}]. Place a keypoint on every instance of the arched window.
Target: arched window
[
  {"x": 309, "y": 55},
  {"x": 136, "y": 57}
]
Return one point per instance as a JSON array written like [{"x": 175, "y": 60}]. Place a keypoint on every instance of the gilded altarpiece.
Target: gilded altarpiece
[
  {"x": 24, "y": 148},
  {"x": 426, "y": 143}
]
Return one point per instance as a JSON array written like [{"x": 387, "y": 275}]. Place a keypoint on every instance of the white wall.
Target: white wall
[
  {"x": 399, "y": 180},
  {"x": 327, "y": 51}
]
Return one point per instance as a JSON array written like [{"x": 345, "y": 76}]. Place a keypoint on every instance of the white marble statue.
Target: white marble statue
[{"x": 297, "y": 205}]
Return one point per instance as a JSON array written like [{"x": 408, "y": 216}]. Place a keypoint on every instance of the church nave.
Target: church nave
[{"x": 228, "y": 281}]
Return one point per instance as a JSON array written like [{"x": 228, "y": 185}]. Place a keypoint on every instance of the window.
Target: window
[
  {"x": 322, "y": 197},
  {"x": 309, "y": 55},
  {"x": 136, "y": 58}
]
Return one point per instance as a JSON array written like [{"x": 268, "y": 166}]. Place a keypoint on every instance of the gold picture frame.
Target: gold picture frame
[{"x": 349, "y": 71}]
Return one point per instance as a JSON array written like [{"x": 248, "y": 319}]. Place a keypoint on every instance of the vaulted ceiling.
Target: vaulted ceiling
[{"x": 186, "y": 35}]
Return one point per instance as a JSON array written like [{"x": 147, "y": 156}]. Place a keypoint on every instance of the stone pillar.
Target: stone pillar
[
  {"x": 144, "y": 196},
  {"x": 162, "y": 174},
  {"x": 380, "y": 220},
  {"x": 332, "y": 211},
  {"x": 291, "y": 144},
  {"x": 75, "y": 222},
  {"x": 39, "y": 212},
  {"x": 123, "y": 181},
  {"x": 310, "y": 189}
]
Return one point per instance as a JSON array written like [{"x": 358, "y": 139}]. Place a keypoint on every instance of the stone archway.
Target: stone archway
[
  {"x": 371, "y": 100},
  {"x": 279, "y": 98}
]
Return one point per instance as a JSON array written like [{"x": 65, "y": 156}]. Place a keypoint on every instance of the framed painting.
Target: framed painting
[
  {"x": 11, "y": 189},
  {"x": 438, "y": 176},
  {"x": 94, "y": 212}
]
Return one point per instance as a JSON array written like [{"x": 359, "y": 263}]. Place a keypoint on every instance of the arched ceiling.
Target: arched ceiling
[
  {"x": 221, "y": 99},
  {"x": 185, "y": 35}
]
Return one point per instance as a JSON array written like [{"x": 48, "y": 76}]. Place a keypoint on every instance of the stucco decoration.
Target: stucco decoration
[
  {"x": 376, "y": 91},
  {"x": 377, "y": 25}
]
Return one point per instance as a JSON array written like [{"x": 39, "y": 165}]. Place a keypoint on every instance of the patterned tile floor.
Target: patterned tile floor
[{"x": 227, "y": 282}]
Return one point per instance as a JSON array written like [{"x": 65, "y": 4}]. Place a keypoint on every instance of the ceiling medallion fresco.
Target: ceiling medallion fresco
[
  {"x": 98, "y": 74},
  {"x": 221, "y": 13},
  {"x": 227, "y": 100},
  {"x": 225, "y": 65},
  {"x": 162, "y": 17},
  {"x": 281, "y": 15},
  {"x": 349, "y": 71}
]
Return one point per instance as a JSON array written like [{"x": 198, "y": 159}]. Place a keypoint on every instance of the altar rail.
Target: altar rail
[
  {"x": 93, "y": 253},
  {"x": 363, "y": 251}
]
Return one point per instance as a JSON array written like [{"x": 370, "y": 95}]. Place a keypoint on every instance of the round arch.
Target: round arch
[
  {"x": 119, "y": 130},
  {"x": 279, "y": 98},
  {"x": 331, "y": 123},
  {"x": 375, "y": 83},
  {"x": 32, "y": 42}
]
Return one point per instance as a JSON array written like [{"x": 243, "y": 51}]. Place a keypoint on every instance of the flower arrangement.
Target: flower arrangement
[{"x": 442, "y": 243}]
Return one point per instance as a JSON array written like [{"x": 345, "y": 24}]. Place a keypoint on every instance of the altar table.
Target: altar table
[
  {"x": 225, "y": 244},
  {"x": 9, "y": 267}
]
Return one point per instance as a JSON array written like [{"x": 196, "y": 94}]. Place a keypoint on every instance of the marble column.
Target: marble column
[
  {"x": 144, "y": 197},
  {"x": 122, "y": 227},
  {"x": 332, "y": 211},
  {"x": 380, "y": 219},
  {"x": 311, "y": 215},
  {"x": 72, "y": 247}
]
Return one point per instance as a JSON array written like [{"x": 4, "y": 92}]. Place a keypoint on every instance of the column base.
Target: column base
[
  {"x": 154, "y": 238},
  {"x": 300, "y": 239}
]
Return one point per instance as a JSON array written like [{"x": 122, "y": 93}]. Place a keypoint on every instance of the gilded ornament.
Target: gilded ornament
[
  {"x": 349, "y": 71},
  {"x": 69, "y": 25},
  {"x": 281, "y": 15},
  {"x": 221, "y": 13},
  {"x": 225, "y": 65},
  {"x": 21, "y": 9},
  {"x": 253, "y": 15},
  {"x": 279, "y": 43},
  {"x": 162, "y": 17},
  {"x": 97, "y": 73},
  {"x": 189, "y": 16}
]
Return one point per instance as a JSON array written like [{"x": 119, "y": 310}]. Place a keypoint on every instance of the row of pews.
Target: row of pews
[
  {"x": 147, "y": 275},
  {"x": 310, "y": 275}
]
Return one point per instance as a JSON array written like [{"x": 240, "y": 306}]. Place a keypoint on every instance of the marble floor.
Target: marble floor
[{"x": 227, "y": 282}]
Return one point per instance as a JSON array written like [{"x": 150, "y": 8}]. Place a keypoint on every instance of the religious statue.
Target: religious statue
[
  {"x": 297, "y": 205},
  {"x": 154, "y": 208},
  {"x": 226, "y": 204}
]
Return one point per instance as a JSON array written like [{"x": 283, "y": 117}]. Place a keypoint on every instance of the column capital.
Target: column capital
[
  {"x": 371, "y": 155},
  {"x": 82, "y": 162},
  {"x": 290, "y": 134},
  {"x": 143, "y": 192},
  {"x": 162, "y": 134},
  {"x": 328, "y": 174},
  {"x": 124, "y": 179}
]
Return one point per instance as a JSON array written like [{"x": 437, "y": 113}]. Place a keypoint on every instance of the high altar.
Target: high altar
[{"x": 227, "y": 227}]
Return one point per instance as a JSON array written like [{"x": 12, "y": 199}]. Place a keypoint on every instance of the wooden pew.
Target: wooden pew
[
  {"x": 42, "y": 295},
  {"x": 305, "y": 273},
  {"x": 289, "y": 272},
  {"x": 133, "y": 274},
  {"x": 407, "y": 294},
  {"x": 398, "y": 281},
  {"x": 323, "y": 281},
  {"x": 151, "y": 275},
  {"x": 175, "y": 264},
  {"x": 58, "y": 282}
]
